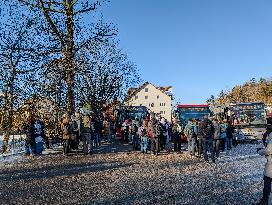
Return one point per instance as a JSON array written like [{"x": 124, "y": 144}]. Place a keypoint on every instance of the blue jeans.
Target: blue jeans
[
  {"x": 97, "y": 140},
  {"x": 30, "y": 147},
  {"x": 229, "y": 142},
  {"x": 144, "y": 144},
  {"x": 217, "y": 147},
  {"x": 87, "y": 143},
  {"x": 191, "y": 145},
  {"x": 208, "y": 146},
  {"x": 107, "y": 138}
]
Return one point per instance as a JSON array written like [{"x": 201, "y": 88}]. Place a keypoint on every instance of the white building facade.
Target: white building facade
[{"x": 157, "y": 99}]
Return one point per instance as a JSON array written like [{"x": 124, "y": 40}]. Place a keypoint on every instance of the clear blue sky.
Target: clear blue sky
[{"x": 198, "y": 46}]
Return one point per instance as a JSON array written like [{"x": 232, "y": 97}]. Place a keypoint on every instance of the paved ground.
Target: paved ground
[{"x": 118, "y": 175}]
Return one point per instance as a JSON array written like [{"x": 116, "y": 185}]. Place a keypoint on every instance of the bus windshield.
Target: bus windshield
[
  {"x": 249, "y": 113},
  {"x": 132, "y": 112},
  {"x": 198, "y": 113}
]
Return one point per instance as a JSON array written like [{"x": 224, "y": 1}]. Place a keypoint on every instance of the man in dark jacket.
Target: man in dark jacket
[
  {"x": 176, "y": 130},
  {"x": 28, "y": 129},
  {"x": 229, "y": 133},
  {"x": 154, "y": 133},
  {"x": 206, "y": 131}
]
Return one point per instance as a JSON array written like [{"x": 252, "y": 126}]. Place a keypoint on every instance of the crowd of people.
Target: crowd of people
[{"x": 147, "y": 135}]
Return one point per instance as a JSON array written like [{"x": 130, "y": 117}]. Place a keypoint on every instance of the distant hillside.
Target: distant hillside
[{"x": 250, "y": 91}]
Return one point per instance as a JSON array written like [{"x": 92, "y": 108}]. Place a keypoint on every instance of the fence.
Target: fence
[{"x": 15, "y": 145}]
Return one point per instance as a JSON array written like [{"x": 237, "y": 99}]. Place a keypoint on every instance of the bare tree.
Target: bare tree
[
  {"x": 67, "y": 34},
  {"x": 104, "y": 75},
  {"x": 17, "y": 64}
]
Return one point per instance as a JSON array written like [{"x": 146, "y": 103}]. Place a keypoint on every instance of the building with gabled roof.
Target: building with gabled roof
[{"x": 157, "y": 98}]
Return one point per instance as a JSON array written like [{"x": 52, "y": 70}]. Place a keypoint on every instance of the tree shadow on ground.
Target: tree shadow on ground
[{"x": 60, "y": 170}]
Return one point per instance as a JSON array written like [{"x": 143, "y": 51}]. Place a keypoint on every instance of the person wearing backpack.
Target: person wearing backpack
[
  {"x": 76, "y": 131},
  {"x": 223, "y": 135},
  {"x": 29, "y": 129},
  {"x": 154, "y": 132},
  {"x": 176, "y": 130},
  {"x": 86, "y": 133},
  {"x": 206, "y": 130},
  {"x": 216, "y": 137},
  {"x": 164, "y": 133},
  {"x": 67, "y": 131},
  {"x": 229, "y": 133},
  {"x": 190, "y": 133}
]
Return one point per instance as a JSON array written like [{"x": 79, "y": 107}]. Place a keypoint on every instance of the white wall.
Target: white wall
[{"x": 160, "y": 101}]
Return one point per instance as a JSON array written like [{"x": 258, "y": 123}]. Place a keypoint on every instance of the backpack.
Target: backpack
[
  {"x": 67, "y": 129},
  {"x": 75, "y": 126},
  {"x": 134, "y": 128},
  {"x": 191, "y": 131},
  {"x": 223, "y": 128},
  {"x": 208, "y": 129}
]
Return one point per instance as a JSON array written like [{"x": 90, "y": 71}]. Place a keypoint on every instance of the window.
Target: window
[
  {"x": 136, "y": 97},
  {"x": 140, "y": 104},
  {"x": 158, "y": 97},
  {"x": 146, "y": 97},
  {"x": 162, "y": 104},
  {"x": 151, "y": 105},
  {"x": 146, "y": 90}
]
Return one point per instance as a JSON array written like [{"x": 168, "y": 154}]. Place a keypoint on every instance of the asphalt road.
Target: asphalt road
[{"x": 116, "y": 174}]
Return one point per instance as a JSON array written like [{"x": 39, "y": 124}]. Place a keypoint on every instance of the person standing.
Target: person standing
[
  {"x": 39, "y": 134},
  {"x": 229, "y": 133},
  {"x": 28, "y": 129},
  {"x": 76, "y": 125},
  {"x": 199, "y": 147},
  {"x": 67, "y": 131},
  {"x": 142, "y": 133},
  {"x": 107, "y": 130},
  {"x": 216, "y": 137},
  {"x": 267, "y": 152},
  {"x": 125, "y": 129},
  {"x": 154, "y": 132},
  {"x": 170, "y": 133},
  {"x": 223, "y": 135},
  {"x": 163, "y": 133},
  {"x": 176, "y": 130},
  {"x": 87, "y": 135},
  {"x": 133, "y": 133},
  {"x": 190, "y": 133},
  {"x": 206, "y": 131}
]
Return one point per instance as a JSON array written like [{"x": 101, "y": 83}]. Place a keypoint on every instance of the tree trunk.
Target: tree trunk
[
  {"x": 69, "y": 57},
  {"x": 11, "y": 98}
]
